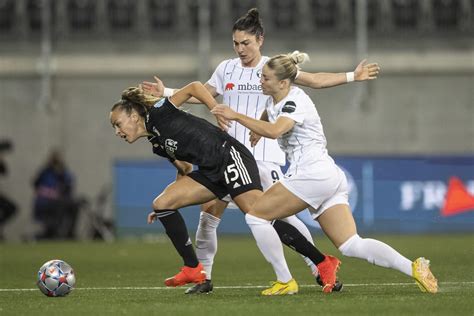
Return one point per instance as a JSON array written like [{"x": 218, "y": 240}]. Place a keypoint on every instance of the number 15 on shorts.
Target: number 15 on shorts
[{"x": 235, "y": 172}]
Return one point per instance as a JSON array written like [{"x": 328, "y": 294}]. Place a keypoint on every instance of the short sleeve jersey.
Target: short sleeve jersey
[
  {"x": 242, "y": 91},
  {"x": 177, "y": 135},
  {"x": 306, "y": 139}
]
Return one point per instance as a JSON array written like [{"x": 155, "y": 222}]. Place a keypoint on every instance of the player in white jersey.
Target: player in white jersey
[
  {"x": 238, "y": 82},
  {"x": 312, "y": 181}
]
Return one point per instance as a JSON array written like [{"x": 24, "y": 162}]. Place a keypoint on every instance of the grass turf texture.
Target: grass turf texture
[{"x": 126, "y": 277}]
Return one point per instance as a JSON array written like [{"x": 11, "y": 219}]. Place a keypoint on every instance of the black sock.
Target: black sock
[
  {"x": 176, "y": 230},
  {"x": 291, "y": 237}
]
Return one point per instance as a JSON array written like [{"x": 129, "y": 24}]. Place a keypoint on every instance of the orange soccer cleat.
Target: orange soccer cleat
[
  {"x": 327, "y": 272},
  {"x": 187, "y": 275}
]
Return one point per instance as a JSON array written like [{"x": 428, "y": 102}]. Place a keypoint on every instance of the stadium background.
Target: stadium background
[{"x": 62, "y": 69}]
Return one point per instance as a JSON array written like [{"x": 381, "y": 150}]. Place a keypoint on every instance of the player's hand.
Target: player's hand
[
  {"x": 365, "y": 71},
  {"x": 254, "y": 138},
  {"x": 153, "y": 88},
  {"x": 152, "y": 217},
  {"x": 224, "y": 111},
  {"x": 223, "y": 123}
]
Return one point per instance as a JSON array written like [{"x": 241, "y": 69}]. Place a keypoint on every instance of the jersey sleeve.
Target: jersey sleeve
[
  {"x": 217, "y": 78},
  {"x": 293, "y": 109}
]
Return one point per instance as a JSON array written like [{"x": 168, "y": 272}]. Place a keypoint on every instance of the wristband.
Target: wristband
[
  {"x": 297, "y": 74},
  {"x": 167, "y": 92},
  {"x": 349, "y": 76}
]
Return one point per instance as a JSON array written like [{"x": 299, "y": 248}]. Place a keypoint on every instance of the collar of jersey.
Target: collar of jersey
[
  {"x": 159, "y": 103},
  {"x": 260, "y": 64}
]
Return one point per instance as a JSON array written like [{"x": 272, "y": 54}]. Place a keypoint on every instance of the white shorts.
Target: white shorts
[
  {"x": 270, "y": 172},
  {"x": 321, "y": 184}
]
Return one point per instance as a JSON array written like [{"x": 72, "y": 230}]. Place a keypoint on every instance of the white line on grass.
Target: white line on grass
[{"x": 113, "y": 288}]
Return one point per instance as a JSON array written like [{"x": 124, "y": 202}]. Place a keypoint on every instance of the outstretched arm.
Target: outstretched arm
[
  {"x": 264, "y": 128},
  {"x": 197, "y": 90},
  {"x": 194, "y": 89},
  {"x": 321, "y": 80},
  {"x": 158, "y": 89}
]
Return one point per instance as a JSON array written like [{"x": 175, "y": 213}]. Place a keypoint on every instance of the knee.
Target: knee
[
  {"x": 208, "y": 221},
  {"x": 164, "y": 202},
  {"x": 255, "y": 220},
  {"x": 214, "y": 208}
]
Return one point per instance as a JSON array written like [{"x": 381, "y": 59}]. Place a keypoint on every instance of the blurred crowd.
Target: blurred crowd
[{"x": 56, "y": 206}]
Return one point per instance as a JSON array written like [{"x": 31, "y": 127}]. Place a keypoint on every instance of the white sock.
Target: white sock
[
  {"x": 206, "y": 241},
  {"x": 301, "y": 227},
  {"x": 269, "y": 244},
  {"x": 376, "y": 252}
]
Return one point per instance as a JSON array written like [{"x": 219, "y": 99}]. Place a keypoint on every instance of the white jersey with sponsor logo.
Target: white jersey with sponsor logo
[
  {"x": 312, "y": 175},
  {"x": 305, "y": 142},
  {"x": 242, "y": 91}
]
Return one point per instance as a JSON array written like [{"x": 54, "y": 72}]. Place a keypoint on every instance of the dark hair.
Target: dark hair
[
  {"x": 250, "y": 23},
  {"x": 133, "y": 98}
]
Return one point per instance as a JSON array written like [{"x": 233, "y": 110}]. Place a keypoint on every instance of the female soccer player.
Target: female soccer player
[
  {"x": 225, "y": 166},
  {"x": 238, "y": 81},
  {"x": 313, "y": 180}
]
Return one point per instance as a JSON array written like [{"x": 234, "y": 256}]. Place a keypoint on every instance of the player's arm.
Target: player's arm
[
  {"x": 158, "y": 89},
  {"x": 197, "y": 90},
  {"x": 182, "y": 167},
  {"x": 321, "y": 80},
  {"x": 264, "y": 128},
  {"x": 255, "y": 137}
]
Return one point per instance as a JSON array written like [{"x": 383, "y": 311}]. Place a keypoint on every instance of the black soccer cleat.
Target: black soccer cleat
[
  {"x": 201, "y": 288},
  {"x": 337, "y": 286}
]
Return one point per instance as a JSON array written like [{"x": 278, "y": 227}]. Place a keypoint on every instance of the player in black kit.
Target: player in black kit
[{"x": 225, "y": 166}]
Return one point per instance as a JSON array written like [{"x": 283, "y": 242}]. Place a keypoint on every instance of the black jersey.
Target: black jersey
[
  {"x": 178, "y": 135},
  {"x": 225, "y": 165}
]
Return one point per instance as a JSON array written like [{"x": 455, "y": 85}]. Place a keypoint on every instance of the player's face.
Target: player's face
[
  {"x": 247, "y": 47},
  {"x": 270, "y": 83},
  {"x": 127, "y": 126}
]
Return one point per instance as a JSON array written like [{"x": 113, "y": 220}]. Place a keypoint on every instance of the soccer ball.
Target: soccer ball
[{"x": 56, "y": 278}]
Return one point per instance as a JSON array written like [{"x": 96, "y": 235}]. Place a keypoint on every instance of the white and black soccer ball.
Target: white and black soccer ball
[{"x": 56, "y": 278}]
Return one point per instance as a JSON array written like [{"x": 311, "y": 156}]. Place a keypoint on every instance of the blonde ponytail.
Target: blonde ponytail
[
  {"x": 298, "y": 58},
  {"x": 286, "y": 66}
]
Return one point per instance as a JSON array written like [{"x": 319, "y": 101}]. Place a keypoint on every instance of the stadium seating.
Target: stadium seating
[
  {"x": 96, "y": 18},
  {"x": 446, "y": 13},
  {"x": 162, "y": 14},
  {"x": 7, "y": 15},
  {"x": 81, "y": 14},
  {"x": 325, "y": 13},
  {"x": 283, "y": 13},
  {"x": 121, "y": 14},
  {"x": 406, "y": 13}
]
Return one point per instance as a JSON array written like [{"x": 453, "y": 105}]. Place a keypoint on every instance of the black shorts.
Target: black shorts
[{"x": 239, "y": 173}]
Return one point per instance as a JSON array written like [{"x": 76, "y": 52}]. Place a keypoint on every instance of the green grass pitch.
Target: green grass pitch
[{"x": 126, "y": 278}]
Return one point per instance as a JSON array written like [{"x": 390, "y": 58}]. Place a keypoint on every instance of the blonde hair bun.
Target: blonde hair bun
[{"x": 298, "y": 58}]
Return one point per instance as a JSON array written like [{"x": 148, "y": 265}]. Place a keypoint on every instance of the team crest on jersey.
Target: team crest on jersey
[
  {"x": 289, "y": 107},
  {"x": 170, "y": 147},
  {"x": 229, "y": 86}
]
